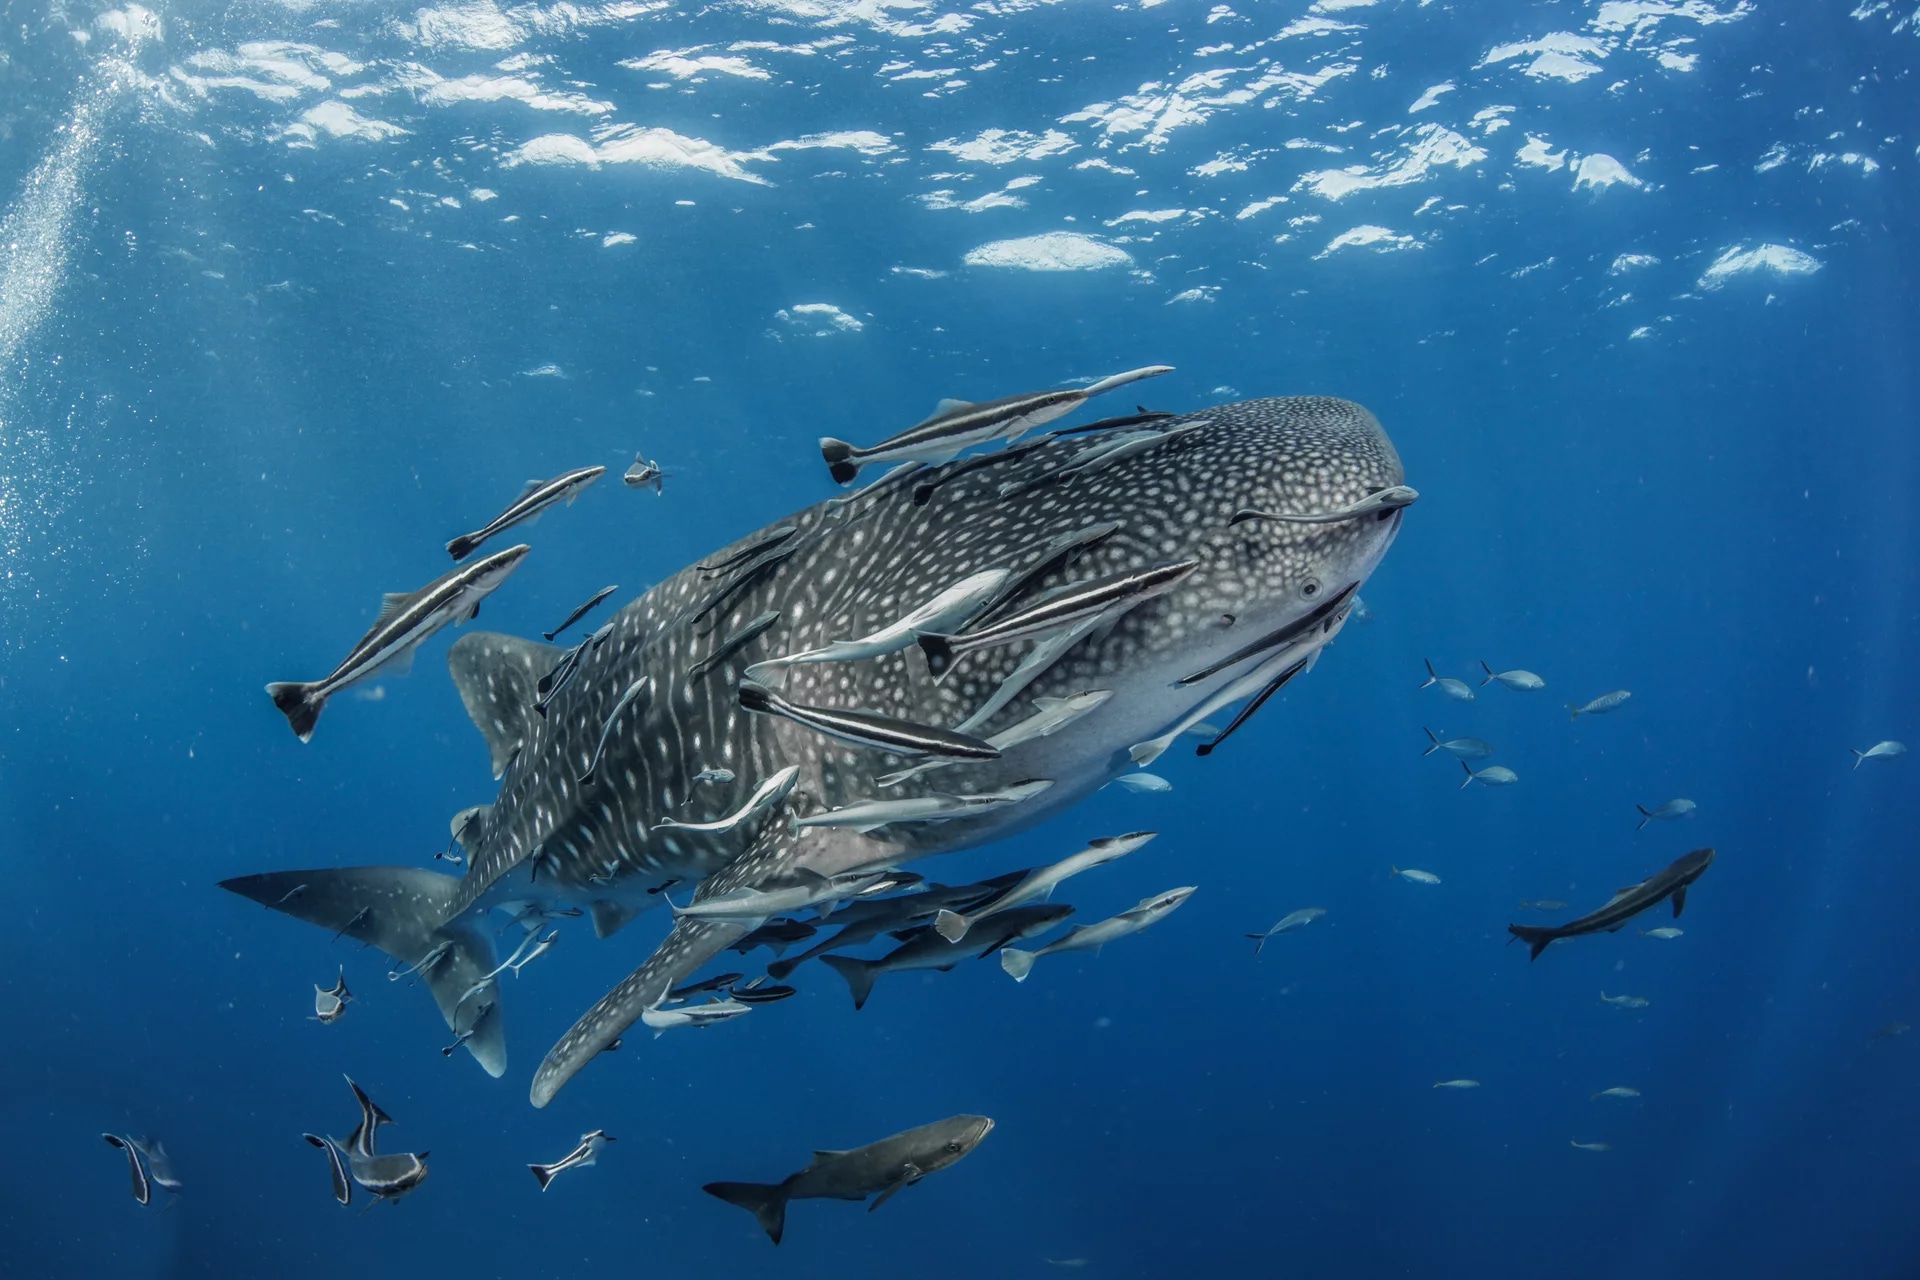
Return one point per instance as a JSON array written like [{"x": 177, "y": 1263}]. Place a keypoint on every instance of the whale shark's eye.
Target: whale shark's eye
[{"x": 1310, "y": 588}]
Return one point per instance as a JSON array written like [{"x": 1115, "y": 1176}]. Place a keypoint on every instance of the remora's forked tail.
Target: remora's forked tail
[
  {"x": 860, "y": 975},
  {"x": 543, "y": 1173},
  {"x": 1537, "y": 937},
  {"x": 1018, "y": 964},
  {"x": 767, "y": 1204},
  {"x": 296, "y": 703},
  {"x": 402, "y": 911},
  {"x": 839, "y": 456},
  {"x": 1645, "y": 817}
]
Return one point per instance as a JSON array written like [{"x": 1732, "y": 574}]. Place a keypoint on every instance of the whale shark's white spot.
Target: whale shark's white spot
[
  {"x": 1739, "y": 260},
  {"x": 1051, "y": 251}
]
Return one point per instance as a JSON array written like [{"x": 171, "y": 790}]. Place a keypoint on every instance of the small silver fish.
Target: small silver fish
[
  {"x": 1287, "y": 924},
  {"x": 1448, "y": 685},
  {"x": 1886, "y": 750},
  {"x": 1051, "y": 716},
  {"x": 770, "y": 793},
  {"x": 1457, "y": 1084},
  {"x": 699, "y": 1015},
  {"x": 1666, "y": 933},
  {"x": 1418, "y": 877},
  {"x": 1601, "y": 705},
  {"x": 1458, "y": 748},
  {"x": 868, "y": 728},
  {"x": 1593, "y": 1146},
  {"x": 1525, "y": 681},
  {"x": 1497, "y": 775},
  {"x": 1617, "y": 1091},
  {"x": 1624, "y": 1002},
  {"x": 1091, "y": 937},
  {"x": 1142, "y": 782},
  {"x": 721, "y": 776},
  {"x": 1665, "y": 813},
  {"x": 1544, "y": 904}
]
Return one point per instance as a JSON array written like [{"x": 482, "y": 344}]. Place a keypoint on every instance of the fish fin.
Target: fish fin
[
  {"x": 1017, "y": 963},
  {"x": 1433, "y": 677},
  {"x": 391, "y": 604},
  {"x": 1259, "y": 942},
  {"x": 1436, "y": 742},
  {"x": 543, "y": 1174},
  {"x": 839, "y": 456},
  {"x": 939, "y": 651},
  {"x": 527, "y": 492},
  {"x": 498, "y": 678},
  {"x": 690, "y": 944},
  {"x": 951, "y": 925},
  {"x": 463, "y": 546},
  {"x": 296, "y": 702},
  {"x": 1536, "y": 937},
  {"x": 1048, "y": 704},
  {"x": 1858, "y": 757},
  {"x": 342, "y": 1185},
  {"x": 1468, "y": 781},
  {"x": 1145, "y": 753},
  {"x": 779, "y": 969},
  {"x": 767, "y": 1203},
  {"x": 1489, "y": 670},
  {"x": 142, "y": 1185},
  {"x": 1645, "y": 817},
  {"x": 947, "y": 405},
  {"x": 860, "y": 975},
  {"x": 611, "y": 917},
  {"x": 402, "y": 911},
  {"x": 909, "y": 1175},
  {"x": 1575, "y": 711},
  {"x": 1679, "y": 901}
]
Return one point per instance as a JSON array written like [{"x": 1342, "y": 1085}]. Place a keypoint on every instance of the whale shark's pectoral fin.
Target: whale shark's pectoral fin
[
  {"x": 402, "y": 911},
  {"x": 498, "y": 677},
  {"x": 691, "y": 943}
]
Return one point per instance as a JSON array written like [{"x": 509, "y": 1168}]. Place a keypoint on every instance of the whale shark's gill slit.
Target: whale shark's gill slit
[{"x": 1253, "y": 704}]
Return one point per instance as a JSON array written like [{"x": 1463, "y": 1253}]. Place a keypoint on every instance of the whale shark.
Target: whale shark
[{"x": 609, "y": 798}]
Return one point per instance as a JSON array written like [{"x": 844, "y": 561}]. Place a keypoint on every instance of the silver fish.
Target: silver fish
[
  {"x": 1886, "y": 750},
  {"x": 534, "y": 499},
  {"x": 1524, "y": 681},
  {"x": 768, "y": 794},
  {"x": 1496, "y": 775},
  {"x": 1050, "y": 716},
  {"x": 698, "y": 1015},
  {"x": 645, "y": 473},
  {"x": 870, "y": 815},
  {"x": 1381, "y": 503},
  {"x": 1448, "y": 685},
  {"x": 754, "y": 907},
  {"x": 1601, "y": 705},
  {"x": 634, "y": 690},
  {"x": 950, "y": 608},
  {"x": 1458, "y": 748},
  {"x": 1287, "y": 924},
  {"x": 1665, "y": 813},
  {"x": 405, "y": 621}
]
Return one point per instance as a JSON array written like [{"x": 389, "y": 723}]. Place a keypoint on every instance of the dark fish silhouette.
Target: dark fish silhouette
[{"x": 1624, "y": 905}]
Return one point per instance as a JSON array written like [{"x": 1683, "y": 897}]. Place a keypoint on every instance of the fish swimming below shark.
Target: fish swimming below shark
[{"x": 844, "y": 571}]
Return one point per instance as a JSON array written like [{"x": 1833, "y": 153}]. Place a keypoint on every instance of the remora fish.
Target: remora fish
[
  {"x": 1624, "y": 905},
  {"x": 1382, "y": 503},
  {"x": 870, "y": 815},
  {"x": 1042, "y": 882},
  {"x": 336, "y": 1165},
  {"x": 330, "y": 1006},
  {"x": 931, "y": 951},
  {"x": 582, "y": 610},
  {"x": 866, "y": 920},
  {"x": 137, "y": 1172},
  {"x": 601, "y": 851},
  {"x": 867, "y": 728},
  {"x": 1064, "y": 609},
  {"x": 404, "y": 622},
  {"x": 588, "y": 1152},
  {"x": 1051, "y": 715},
  {"x": 957, "y": 425},
  {"x": 535, "y": 498},
  {"x": 645, "y": 473},
  {"x": 1091, "y": 937},
  {"x": 882, "y": 1167},
  {"x": 696, "y": 1015},
  {"x": 754, "y": 907},
  {"x": 159, "y": 1165},
  {"x": 950, "y": 608}
]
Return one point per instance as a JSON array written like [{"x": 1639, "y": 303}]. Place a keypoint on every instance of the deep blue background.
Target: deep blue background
[{"x": 1719, "y": 517}]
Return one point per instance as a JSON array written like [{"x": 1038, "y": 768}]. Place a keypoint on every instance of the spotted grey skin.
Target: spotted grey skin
[{"x": 851, "y": 566}]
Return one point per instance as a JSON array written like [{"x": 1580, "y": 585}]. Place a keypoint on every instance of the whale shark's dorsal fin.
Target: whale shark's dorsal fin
[{"x": 497, "y": 677}]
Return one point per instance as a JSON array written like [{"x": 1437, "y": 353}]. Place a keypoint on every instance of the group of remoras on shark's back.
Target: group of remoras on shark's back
[{"x": 595, "y": 743}]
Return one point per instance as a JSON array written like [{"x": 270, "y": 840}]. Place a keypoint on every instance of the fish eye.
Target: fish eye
[
  {"x": 1310, "y": 588},
  {"x": 953, "y": 1146}
]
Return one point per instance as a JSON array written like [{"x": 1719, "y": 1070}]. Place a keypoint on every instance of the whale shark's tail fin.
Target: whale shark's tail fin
[
  {"x": 839, "y": 456},
  {"x": 402, "y": 911},
  {"x": 767, "y": 1203},
  {"x": 297, "y": 703},
  {"x": 1536, "y": 937}
]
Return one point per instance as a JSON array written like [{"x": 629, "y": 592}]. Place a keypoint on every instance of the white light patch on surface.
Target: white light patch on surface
[
  {"x": 1052, "y": 251},
  {"x": 1368, "y": 236},
  {"x": 1776, "y": 259}
]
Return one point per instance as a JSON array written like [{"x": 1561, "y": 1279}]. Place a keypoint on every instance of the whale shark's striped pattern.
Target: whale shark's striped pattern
[{"x": 850, "y": 567}]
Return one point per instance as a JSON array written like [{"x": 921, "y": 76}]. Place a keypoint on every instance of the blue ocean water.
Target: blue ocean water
[{"x": 291, "y": 293}]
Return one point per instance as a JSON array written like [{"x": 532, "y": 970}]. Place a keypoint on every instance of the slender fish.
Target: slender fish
[{"x": 535, "y": 498}]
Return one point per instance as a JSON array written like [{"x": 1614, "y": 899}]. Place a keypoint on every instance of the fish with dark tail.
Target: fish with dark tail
[
  {"x": 1672, "y": 883},
  {"x": 1250, "y": 608}
]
